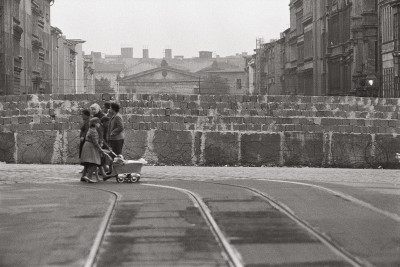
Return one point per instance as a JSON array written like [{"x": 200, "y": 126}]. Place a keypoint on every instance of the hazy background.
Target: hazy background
[{"x": 225, "y": 27}]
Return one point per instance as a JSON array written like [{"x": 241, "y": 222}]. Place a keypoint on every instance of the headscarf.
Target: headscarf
[{"x": 96, "y": 107}]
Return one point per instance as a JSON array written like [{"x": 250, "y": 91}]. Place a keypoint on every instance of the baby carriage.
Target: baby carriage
[{"x": 127, "y": 171}]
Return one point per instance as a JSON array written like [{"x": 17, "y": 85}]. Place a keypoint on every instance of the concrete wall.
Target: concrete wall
[{"x": 211, "y": 130}]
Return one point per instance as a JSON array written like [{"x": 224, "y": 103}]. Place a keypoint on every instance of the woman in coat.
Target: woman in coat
[
  {"x": 90, "y": 157},
  {"x": 116, "y": 132},
  {"x": 84, "y": 129}
]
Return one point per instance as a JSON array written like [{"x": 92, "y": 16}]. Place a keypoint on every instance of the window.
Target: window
[
  {"x": 308, "y": 44},
  {"x": 334, "y": 78},
  {"x": 238, "y": 84},
  {"x": 300, "y": 51},
  {"x": 339, "y": 27},
  {"x": 299, "y": 22},
  {"x": 333, "y": 30},
  {"x": 387, "y": 24}
]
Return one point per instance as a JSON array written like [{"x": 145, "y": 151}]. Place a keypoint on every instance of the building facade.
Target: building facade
[
  {"x": 68, "y": 65},
  {"x": 331, "y": 48},
  {"x": 352, "y": 45},
  {"x": 304, "y": 48},
  {"x": 25, "y": 45},
  {"x": 161, "y": 80},
  {"x": 272, "y": 82},
  {"x": 34, "y": 56},
  {"x": 389, "y": 40}
]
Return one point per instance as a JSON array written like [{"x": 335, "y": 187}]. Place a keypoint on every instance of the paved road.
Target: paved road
[{"x": 266, "y": 217}]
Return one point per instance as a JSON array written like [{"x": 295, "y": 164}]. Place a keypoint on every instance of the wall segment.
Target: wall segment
[{"x": 211, "y": 130}]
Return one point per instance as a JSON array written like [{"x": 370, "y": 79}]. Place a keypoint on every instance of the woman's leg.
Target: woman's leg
[
  {"x": 92, "y": 168},
  {"x": 84, "y": 173},
  {"x": 96, "y": 172}
]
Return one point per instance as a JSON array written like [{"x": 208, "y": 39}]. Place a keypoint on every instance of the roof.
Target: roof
[
  {"x": 226, "y": 71},
  {"x": 165, "y": 68},
  {"x": 105, "y": 67},
  {"x": 220, "y": 67}
]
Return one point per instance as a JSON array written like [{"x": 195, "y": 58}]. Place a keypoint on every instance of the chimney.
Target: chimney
[
  {"x": 145, "y": 53},
  {"x": 168, "y": 53}
]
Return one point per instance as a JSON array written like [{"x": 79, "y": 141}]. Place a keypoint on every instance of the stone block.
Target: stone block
[
  {"x": 303, "y": 149},
  {"x": 36, "y": 146},
  {"x": 382, "y": 152},
  {"x": 7, "y": 147},
  {"x": 23, "y": 127},
  {"x": 14, "y": 120},
  {"x": 173, "y": 147},
  {"x": 221, "y": 148},
  {"x": 348, "y": 150},
  {"x": 260, "y": 149}
]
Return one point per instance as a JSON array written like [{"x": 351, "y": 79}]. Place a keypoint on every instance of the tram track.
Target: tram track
[
  {"x": 344, "y": 196},
  {"x": 326, "y": 240},
  {"x": 105, "y": 224},
  {"x": 232, "y": 256}
]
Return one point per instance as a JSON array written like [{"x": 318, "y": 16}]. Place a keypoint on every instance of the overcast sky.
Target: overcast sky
[{"x": 225, "y": 27}]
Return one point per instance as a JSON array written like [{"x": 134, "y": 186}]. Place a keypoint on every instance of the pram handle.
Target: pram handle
[{"x": 109, "y": 148}]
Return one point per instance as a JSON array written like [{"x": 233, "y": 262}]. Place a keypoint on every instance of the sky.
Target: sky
[{"x": 225, "y": 27}]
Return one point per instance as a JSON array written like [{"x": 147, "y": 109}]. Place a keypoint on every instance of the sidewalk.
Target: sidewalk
[{"x": 32, "y": 173}]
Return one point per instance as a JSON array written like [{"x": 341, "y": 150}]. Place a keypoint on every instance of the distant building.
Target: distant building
[
  {"x": 97, "y": 55},
  {"x": 106, "y": 75},
  {"x": 145, "y": 53},
  {"x": 205, "y": 54},
  {"x": 168, "y": 53},
  {"x": 272, "y": 76},
  {"x": 127, "y": 52},
  {"x": 227, "y": 74},
  {"x": 161, "y": 80},
  {"x": 68, "y": 64},
  {"x": 250, "y": 70},
  {"x": 89, "y": 80}
]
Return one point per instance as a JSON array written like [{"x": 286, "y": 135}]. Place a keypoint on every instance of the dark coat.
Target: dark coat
[{"x": 116, "y": 128}]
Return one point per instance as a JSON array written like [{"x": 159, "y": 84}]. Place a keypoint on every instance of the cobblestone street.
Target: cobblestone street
[
  {"x": 23, "y": 173},
  {"x": 193, "y": 216}
]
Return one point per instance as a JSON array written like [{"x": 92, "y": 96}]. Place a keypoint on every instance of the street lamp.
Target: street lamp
[
  {"x": 368, "y": 86},
  {"x": 372, "y": 85},
  {"x": 371, "y": 78}
]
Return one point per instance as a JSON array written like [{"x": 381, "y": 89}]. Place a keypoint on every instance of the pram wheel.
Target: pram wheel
[
  {"x": 133, "y": 177},
  {"x": 120, "y": 178}
]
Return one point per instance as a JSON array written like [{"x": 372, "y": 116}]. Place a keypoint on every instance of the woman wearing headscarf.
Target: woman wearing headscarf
[{"x": 96, "y": 111}]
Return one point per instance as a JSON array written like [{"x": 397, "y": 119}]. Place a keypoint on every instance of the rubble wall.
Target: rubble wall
[{"x": 211, "y": 130}]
